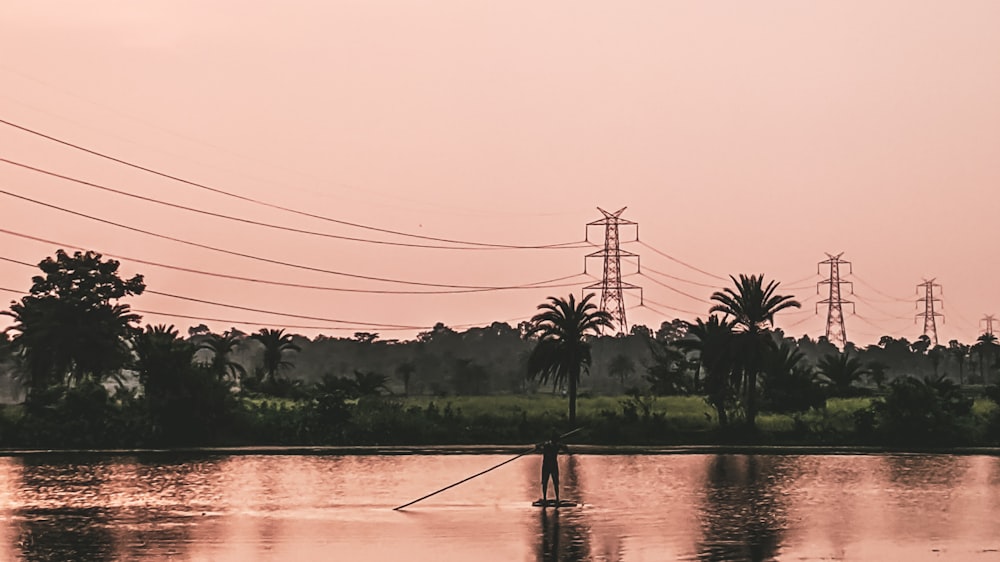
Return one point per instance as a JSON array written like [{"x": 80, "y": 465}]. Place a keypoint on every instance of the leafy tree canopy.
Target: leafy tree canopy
[{"x": 70, "y": 324}]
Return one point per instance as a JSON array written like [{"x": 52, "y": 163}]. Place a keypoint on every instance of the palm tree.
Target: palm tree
[
  {"x": 621, "y": 367},
  {"x": 369, "y": 383},
  {"x": 712, "y": 341},
  {"x": 752, "y": 305},
  {"x": 843, "y": 370},
  {"x": 986, "y": 348},
  {"x": 405, "y": 372},
  {"x": 790, "y": 383},
  {"x": 276, "y": 343},
  {"x": 222, "y": 347},
  {"x": 562, "y": 351},
  {"x": 161, "y": 358},
  {"x": 960, "y": 352}
]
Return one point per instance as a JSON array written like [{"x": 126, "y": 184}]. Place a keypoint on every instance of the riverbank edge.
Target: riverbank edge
[{"x": 512, "y": 450}]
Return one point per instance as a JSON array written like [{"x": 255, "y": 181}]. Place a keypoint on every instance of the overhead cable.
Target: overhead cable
[
  {"x": 239, "y": 254},
  {"x": 276, "y": 206},
  {"x": 261, "y": 223},
  {"x": 545, "y": 284},
  {"x": 685, "y": 264}
]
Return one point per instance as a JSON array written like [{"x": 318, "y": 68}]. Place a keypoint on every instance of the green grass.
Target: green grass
[{"x": 680, "y": 407}]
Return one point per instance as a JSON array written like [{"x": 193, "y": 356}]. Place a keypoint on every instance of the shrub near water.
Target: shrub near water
[{"x": 919, "y": 412}]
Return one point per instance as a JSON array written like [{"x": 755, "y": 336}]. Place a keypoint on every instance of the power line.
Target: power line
[
  {"x": 668, "y": 307},
  {"x": 277, "y": 313},
  {"x": 877, "y": 327},
  {"x": 797, "y": 322},
  {"x": 239, "y": 254},
  {"x": 804, "y": 279},
  {"x": 546, "y": 284},
  {"x": 678, "y": 291},
  {"x": 256, "y": 222},
  {"x": 261, "y": 223},
  {"x": 381, "y": 327},
  {"x": 681, "y": 279},
  {"x": 685, "y": 264},
  {"x": 410, "y": 202},
  {"x": 656, "y": 310},
  {"x": 877, "y": 309},
  {"x": 265, "y": 311},
  {"x": 276, "y": 206},
  {"x": 872, "y": 287}
]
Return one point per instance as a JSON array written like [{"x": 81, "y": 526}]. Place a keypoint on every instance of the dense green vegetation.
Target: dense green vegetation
[{"x": 86, "y": 375}]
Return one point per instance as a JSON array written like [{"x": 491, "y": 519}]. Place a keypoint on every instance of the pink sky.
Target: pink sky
[{"x": 743, "y": 138}]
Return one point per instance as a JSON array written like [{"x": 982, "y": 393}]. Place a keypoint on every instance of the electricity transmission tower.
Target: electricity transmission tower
[
  {"x": 611, "y": 285},
  {"x": 989, "y": 318},
  {"x": 929, "y": 315},
  {"x": 836, "y": 333}
]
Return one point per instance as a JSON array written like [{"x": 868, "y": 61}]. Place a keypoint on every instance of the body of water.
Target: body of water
[{"x": 250, "y": 508}]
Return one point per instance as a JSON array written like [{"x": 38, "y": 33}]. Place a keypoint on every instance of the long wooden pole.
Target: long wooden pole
[{"x": 531, "y": 450}]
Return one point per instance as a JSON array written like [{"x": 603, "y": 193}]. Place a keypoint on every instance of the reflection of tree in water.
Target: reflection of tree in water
[
  {"x": 564, "y": 535},
  {"x": 48, "y": 528},
  {"x": 743, "y": 516},
  {"x": 920, "y": 472},
  {"x": 67, "y": 511}
]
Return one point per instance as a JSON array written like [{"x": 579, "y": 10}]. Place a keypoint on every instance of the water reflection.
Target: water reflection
[
  {"x": 743, "y": 516},
  {"x": 564, "y": 534},
  {"x": 666, "y": 507}
]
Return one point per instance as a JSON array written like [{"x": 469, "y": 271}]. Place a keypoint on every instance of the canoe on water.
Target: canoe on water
[{"x": 553, "y": 503}]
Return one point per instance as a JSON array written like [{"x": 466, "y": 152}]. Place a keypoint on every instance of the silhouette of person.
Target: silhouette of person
[{"x": 550, "y": 465}]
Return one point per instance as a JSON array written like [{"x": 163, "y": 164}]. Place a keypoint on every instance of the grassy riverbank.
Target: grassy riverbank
[{"x": 494, "y": 420}]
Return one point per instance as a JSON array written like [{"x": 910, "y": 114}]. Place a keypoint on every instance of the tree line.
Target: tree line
[{"x": 91, "y": 374}]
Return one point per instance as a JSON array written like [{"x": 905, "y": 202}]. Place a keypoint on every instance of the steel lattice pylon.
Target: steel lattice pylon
[
  {"x": 929, "y": 315},
  {"x": 611, "y": 285},
  {"x": 989, "y": 319},
  {"x": 836, "y": 332}
]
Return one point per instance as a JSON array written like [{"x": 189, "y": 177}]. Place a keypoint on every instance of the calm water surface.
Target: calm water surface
[{"x": 634, "y": 508}]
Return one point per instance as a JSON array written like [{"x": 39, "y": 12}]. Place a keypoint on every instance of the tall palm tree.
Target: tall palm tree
[
  {"x": 562, "y": 352},
  {"x": 752, "y": 305},
  {"x": 712, "y": 341},
  {"x": 222, "y": 347},
  {"x": 276, "y": 343}
]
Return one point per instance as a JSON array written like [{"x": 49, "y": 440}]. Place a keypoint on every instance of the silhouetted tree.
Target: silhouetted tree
[
  {"x": 960, "y": 352},
  {"x": 752, "y": 305},
  {"x": 842, "y": 370},
  {"x": 562, "y": 350},
  {"x": 621, "y": 367},
  {"x": 276, "y": 344},
  {"x": 222, "y": 347},
  {"x": 789, "y": 382},
  {"x": 69, "y": 326},
  {"x": 405, "y": 372},
  {"x": 713, "y": 342},
  {"x": 368, "y": 383},
  {"x": 185, "y": 403},
  {"x": 986, "y": 349}
]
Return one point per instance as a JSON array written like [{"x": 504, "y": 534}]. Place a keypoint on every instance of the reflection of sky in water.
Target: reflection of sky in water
[{"x": 696, "y": 507}]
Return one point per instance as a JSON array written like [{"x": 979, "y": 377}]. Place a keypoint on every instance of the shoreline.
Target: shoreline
[{"x": 395, "y": 450}]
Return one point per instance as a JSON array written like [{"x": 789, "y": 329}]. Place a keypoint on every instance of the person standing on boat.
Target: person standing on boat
[{"x": 550, "y": 465}]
